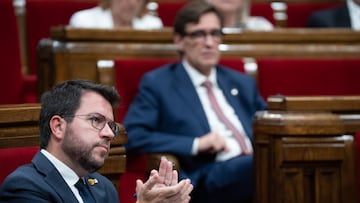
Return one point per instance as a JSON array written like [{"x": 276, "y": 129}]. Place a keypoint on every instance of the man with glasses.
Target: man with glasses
[
  {"x": 199, "y": 111},
  {"x": 76, "y": 127}
]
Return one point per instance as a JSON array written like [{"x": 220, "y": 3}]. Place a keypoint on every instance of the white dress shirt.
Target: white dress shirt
[
  {"x": 66, "y": 173},
  {"x": 215, "y": 124},
  {"x": 99, "y": 18}
]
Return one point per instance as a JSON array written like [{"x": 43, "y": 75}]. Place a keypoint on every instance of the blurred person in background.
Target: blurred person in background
[
  {"x": 116, "y": 14},
  {"x": 346, "y": 15},
  {"x": 236, "y": 14},
  {"x": 175, "y": 111}
]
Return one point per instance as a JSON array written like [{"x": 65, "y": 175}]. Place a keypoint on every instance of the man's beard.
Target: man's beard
[{"x": 77, "y": 151}]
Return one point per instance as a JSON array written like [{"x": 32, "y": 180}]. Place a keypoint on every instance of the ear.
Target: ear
[
  {"x": 58, "y": 127},
  {"x": 179, "y": 42}
]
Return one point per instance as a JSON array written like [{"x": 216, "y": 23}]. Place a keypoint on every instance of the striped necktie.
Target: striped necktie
[{"x": 216, "y": 107}]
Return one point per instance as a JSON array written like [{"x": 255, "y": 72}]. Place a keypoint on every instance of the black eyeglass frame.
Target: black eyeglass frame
[
  {"x": 93, "y": 116},
  {"x": 216, "y": 34}
]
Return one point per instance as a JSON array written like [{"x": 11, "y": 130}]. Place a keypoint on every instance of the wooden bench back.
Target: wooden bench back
[{"x": 73, "y": 53}]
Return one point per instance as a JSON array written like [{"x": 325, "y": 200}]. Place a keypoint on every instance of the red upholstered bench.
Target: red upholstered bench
[
  {"x": 41, "y": 15},
  {"x": 310, "y": 77},
  {"x": 12, "y": 158},
  {"x": 15, "y": 87}
]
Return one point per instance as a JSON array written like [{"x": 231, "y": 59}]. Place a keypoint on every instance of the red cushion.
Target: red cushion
[
  {"x": 168, "y": 10},
  {"x": 41, "y": 15},
  {"x": 233, "y": 63},
  {"x": 262, "y": 9},
  {"x": 128, "y": 75},
  {"x": 308, "y": 76},
  {"x": 12, "y": 158}
]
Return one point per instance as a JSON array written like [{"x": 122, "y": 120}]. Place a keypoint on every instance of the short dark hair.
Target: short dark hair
[
  {"x": 192, "y": 12},
  {"x": 64, "y": 99}
]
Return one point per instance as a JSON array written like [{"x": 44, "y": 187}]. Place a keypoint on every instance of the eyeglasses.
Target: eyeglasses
[
  {"x": 200, "y": 35},
  {"x": 99, "y": 121}
]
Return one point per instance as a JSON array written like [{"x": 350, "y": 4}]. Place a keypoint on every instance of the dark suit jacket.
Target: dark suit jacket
[
  {"x": 334, "y": 17},
  {"x": 40, "y": 182},
  {"x": 167, "y": 114}
]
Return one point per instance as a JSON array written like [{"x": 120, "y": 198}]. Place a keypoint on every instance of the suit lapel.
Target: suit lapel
[
  {"x": 183, "y": 85},
  {"x": 53, "y": 178}
]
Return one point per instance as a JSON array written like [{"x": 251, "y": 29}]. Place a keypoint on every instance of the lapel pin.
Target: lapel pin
[
  {"x": 92, "y": 181},
  {"x": 234, "y": 92}
]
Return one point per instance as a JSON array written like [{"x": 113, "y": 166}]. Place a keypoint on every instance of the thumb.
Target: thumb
[{"x": 139, "y": 185}]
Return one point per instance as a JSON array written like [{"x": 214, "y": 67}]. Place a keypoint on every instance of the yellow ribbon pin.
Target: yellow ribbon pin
[{"x": 92, "y": 181}]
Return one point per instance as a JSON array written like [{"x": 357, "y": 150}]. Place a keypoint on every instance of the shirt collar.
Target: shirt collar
[
  {"x": 66, "y": 172},
  {"x": 196, "y": 77}
]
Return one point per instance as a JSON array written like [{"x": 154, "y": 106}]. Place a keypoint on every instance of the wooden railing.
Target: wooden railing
[{"x": 73, "y": 53}]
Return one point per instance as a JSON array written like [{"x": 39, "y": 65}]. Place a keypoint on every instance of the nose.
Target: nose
[
  {"x": 209, "y": 40},
  {"x": 107, "y": 132}
]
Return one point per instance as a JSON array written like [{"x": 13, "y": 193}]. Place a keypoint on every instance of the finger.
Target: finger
[
  {"x": 184, "y": 194},
  {"x": 175, "y": 177},
  {"x": 168, "y": 174},
  {"x": 153, "y": 172},
  {"x": 149, "y": 184},
  {"x": 163, "y": 168},
  {"x": 139, "y": 184}
]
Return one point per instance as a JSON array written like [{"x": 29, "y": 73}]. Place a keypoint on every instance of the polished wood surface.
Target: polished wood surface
[
  {"x": 73, "y": 53},
  {"x": 306, "y": 155},
  {"x": 19, "y": 127}
]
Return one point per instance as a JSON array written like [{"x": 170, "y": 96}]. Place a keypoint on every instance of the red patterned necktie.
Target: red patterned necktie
[{"x": 214, "y": 104}]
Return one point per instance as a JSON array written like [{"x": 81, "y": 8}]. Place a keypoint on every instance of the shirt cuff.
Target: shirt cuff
[{"x": 195, "y": 146}]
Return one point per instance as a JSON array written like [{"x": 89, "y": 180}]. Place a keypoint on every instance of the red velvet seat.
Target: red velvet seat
[
  {"x": 12, "y": 158},
  {"x": 41, "y": 15},
  {"x": 128, "y": 73},
  {"x": 262, "y": 9},
  {"x": 168, "y": 10},
  {"x": 15, "y": 87},
  {"x": 308, "y": 77}
]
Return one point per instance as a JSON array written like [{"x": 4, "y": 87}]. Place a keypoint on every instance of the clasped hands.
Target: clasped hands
[{"x": 163, "y": 186}]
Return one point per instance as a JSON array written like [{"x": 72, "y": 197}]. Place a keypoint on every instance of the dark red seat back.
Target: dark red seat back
[
  {"x": 310, "y": 77},
  {"x": 11, "y": 81},
  {"x": 41, "y": 15},
  {"x": 168, "y": 10},
  {"x": 12, "y": 158},
  {"x": 128, "y": 73},
  {"x": 262, "y": 9}
]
